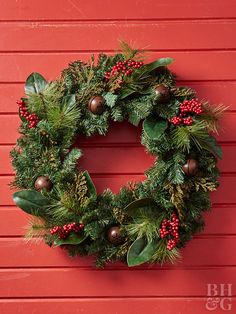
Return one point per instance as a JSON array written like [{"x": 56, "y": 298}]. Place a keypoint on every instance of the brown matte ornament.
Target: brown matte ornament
[
  {"x": 114, "y": 236},
  {"x": 96, "y": 105},
  {"x": 162, "y": 93},
  {"x": 43, "y": 182},
  {"x": 191, "y": 167}
]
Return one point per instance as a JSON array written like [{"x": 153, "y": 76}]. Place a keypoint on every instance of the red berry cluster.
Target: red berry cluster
[
  {"x": 123, "y": 67},
  {"x": 65, "y": 230},
  {"x": 170, "y": 227},
  {"x": 31, "y": 117},
  {"x": 192, "y": 106}
]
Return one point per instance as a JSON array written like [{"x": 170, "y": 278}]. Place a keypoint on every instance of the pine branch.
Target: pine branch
[
  {"x": 183, "y": 136},
  {"x": 163, "y": 255},
  {"x": 211, "y": 115},
  {"x": 36, "y": 229}
]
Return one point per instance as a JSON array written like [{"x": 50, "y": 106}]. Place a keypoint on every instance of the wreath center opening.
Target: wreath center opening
[{"x": 114, "y": 159}]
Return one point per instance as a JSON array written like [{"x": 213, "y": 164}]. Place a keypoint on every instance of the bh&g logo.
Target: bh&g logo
[{"x": 219, "y": 296}]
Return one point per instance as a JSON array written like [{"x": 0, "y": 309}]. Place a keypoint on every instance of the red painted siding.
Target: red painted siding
[{"x": 44, "y": 36}]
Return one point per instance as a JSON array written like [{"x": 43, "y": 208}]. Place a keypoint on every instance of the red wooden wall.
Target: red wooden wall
[{"x": 44, "y": 36}]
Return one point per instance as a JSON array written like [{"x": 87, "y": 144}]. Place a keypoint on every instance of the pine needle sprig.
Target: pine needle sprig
[
  {"x": 163, "y": 255},
  {"x": 212, "y": 115},
  {"x": 36, "y": 229}
]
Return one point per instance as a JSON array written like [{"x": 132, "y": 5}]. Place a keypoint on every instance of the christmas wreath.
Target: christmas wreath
[{"x": 147, "y": 221}]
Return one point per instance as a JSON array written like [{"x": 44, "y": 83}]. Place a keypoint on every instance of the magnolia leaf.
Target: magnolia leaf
[
  {"x": 91, "y": 187},
  {"x": 68, "y": 100},
  {"x": 154, "y": 128},
  {"x": 141, "y": 252},
  {"x": 126, "y": 92},
  {"x": 158, "y": 63},
  {"x": 35, "y": 83},
  {"x": 132, "y": 208},
  {"x": 32, "y": 202},
  {"x": 73, "y": 239}
]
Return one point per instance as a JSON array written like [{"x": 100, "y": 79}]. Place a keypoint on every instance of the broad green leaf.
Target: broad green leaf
[
  {"x": 72, "y": 239},
  {"x": 68, "y": 100},
  {"x": 154, "y": 128},
  {"x": 32, "y": 202},
  {"x": 35, "y": 83},
  {"x": 91, "y": 187},
  {"x": 141, "y": 252},
  {"x": 211, "y": 145},
  {"x": 132, "y": 208},
  {"x": 158, "y": 63},
  {"x": 126, "y": 92}
]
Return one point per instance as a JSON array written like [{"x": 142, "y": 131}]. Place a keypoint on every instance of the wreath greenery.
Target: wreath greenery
[{"x": 145, "y": 222}]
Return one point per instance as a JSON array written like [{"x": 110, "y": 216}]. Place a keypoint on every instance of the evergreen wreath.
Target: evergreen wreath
[{"x": 145, "y": 222}]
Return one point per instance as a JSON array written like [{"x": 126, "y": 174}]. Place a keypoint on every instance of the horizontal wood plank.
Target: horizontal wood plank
[
  {"x": 121, "y": 159},
  {"x": 215, "y": 92},
  {"x": 108, "y": 9},
  {"x": 220, "y": 221},
  {"x": 74, "y": 282},
  {"x": 225, "y": 194},
  {"x": 172, "y": 35},
  {"x": 197, "y": 65},
  {"x": 199, "y": 252},
  {"x": 10, "y": 124},
  {"x": 183, "y": 305}
]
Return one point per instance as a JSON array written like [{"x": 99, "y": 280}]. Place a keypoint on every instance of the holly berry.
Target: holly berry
[
  {"x": 186, "y": 109},
  {"x": 123, "y": 68},
  {"x": 169, "y": 228},
  {"x": 191, "y": 106},
  {"x": 188, "y": 121},
  {"x": 176, "y": 120},
  {"x": 64, "y": 231},
  {"x": 30, "y": 117}
]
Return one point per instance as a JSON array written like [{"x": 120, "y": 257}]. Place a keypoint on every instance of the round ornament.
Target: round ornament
[
  {"x": 96, "y": 105},
  {"x": 114, "y": 235},
  {"x": 162, "y": 93},
  {"x": 43, "y": 182},
  {"x": 191, "y": 167},
  {"x": 152, "y": 213}
]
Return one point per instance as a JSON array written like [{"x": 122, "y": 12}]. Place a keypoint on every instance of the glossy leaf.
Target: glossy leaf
[
  {"x": 68, "y": 100},
  {"x": 141, "y": 252},
  {"x": 32, "y": 202},
  {"x": 35, "y": 83},
  {"x": 91, "y": 187},
  {"x": 126, "y": 92},
  {"x": 158, "y": 63},
  {"x": 132, "y": 208},
  {"x": 72, "y": 239},
  {"x": 154, "y": 128}
]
